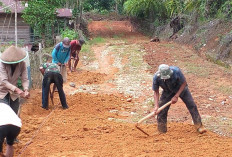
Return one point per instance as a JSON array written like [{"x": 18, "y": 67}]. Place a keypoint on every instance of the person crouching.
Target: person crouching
[
  {"x": 10, "y": 126},
  {"x": 52, "y": 74}
]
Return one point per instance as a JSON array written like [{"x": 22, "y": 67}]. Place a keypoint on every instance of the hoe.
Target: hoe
[{"x": 149, "y": 116}]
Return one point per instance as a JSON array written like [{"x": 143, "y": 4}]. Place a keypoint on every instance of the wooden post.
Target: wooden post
[{"x": 16, "y": 31}]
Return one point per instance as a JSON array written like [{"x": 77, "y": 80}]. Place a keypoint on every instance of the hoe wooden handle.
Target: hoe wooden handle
[{"x": 153, "y": 113}]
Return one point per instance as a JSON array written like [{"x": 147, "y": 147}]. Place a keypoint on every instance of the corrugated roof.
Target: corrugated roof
[
  {"x": 10, "y": 4},
  {"x": 64, "y": 12}
]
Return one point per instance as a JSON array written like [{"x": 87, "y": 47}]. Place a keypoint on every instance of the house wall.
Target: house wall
[{"x": 7, "y": 29}]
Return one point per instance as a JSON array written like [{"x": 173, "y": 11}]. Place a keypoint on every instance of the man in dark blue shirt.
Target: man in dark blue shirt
[{"x": 174, "y": 85}]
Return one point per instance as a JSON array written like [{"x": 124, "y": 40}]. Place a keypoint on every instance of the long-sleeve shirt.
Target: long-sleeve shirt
[
  {"x": 60, "y": 54},
  {"x": 8, "y": 82}
]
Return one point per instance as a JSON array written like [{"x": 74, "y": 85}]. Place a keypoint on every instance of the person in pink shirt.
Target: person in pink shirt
[{"x": 75, "y": 49}]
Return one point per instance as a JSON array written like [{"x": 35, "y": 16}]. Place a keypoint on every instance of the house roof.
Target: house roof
[
  {"x": 64, "y": 12},
  {"x": 10, "y": 4}
]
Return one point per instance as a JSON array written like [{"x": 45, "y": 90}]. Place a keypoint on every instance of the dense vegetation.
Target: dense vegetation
[{"x": 41, "y": 14}]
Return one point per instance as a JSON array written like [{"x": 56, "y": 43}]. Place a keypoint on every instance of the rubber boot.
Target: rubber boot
[
  {"x": 200, "y": 128},
  {"x": 162, "y": 127}
]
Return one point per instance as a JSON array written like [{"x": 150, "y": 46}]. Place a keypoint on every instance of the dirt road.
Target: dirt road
[{"x": 114, "y": 91}]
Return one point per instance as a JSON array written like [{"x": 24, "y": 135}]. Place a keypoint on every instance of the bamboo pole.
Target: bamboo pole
[{"x": 16, "y": 31}]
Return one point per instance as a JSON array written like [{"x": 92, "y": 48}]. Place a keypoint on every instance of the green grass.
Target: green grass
[
  {"x": 87, "y": 52},
  {"x": 97, "y": 40},
  {"x": 118, "y": 36},
  {"x": 218, "y": 62},
  {"x": 168, "y": 45},
  {"x": 135, "y": 59},
  {"x": 225, "y": 89},
  {"x": 196, "y": 69}
]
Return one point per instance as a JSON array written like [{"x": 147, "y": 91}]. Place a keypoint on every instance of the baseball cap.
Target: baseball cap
[
  {"x": 164, "y": 71},
  {"x": 66, "y": 42}
]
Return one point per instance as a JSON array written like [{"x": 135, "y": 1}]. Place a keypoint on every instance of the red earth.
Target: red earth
[{"x": 102, "y": 113}]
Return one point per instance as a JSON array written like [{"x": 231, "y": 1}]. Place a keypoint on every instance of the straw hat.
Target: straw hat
[{"x": 13, "y": 55}]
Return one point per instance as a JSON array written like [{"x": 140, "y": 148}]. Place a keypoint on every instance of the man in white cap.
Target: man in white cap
[
  {"x": 174, "y": 85},
  {"x": 12, "y": 66},
  {"x": 61, "y": 55},
  {"x": 10, "y": 126}
]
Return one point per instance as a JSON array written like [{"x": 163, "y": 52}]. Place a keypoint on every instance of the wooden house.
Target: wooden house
[
  {"x": 7, "y": 23},
  {"x": 24, "y": 31}
]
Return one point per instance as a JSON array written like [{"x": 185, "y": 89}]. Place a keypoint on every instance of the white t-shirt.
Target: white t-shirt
[{"x": 8, "y": 116}]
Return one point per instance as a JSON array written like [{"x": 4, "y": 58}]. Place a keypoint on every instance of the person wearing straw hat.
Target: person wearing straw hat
[
  {"x": 10, "y": 126},
  {"x": 174, "y": 85},
  {"x": 12, "y": 67},
  {"x": 61, "y": 55}
]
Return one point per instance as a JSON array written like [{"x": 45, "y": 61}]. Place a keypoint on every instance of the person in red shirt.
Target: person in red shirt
[{"x": 75, "y": 49}]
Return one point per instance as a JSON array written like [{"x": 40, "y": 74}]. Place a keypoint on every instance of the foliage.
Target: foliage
[
  {"x": 174, "y": 7},
  {"x": 70, "y": 33},
  {"x": 159, "y": 11},
  {"x": 99, "y": 5},
  {"x": 40, "y": 12},
  {"x": 140, "y": 7},
  {"x": 97, "y": 40},
  {"x": 225, "y": 9}
]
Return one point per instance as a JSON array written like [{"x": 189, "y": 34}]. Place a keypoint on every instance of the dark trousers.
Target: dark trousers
[
  {"x": 189, "y": 102},
  {"x": 10, "y": 132},
  {"x": 13, "y": 104},
  {"x": 56, "y": 78}
]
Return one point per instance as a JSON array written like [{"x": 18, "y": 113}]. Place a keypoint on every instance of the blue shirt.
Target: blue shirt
[
  {"x": 171, "y": 85},
  {"x": 60, "y": 54}
]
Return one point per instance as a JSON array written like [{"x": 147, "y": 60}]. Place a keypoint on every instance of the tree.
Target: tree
[{"x": 40, "y": 13}]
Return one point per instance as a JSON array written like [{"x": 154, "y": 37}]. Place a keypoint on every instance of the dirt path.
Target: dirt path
[{"x": 114, "y": 91}]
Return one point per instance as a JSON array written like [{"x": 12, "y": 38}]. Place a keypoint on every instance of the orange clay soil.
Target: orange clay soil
[{"x": 98, "y": 121}]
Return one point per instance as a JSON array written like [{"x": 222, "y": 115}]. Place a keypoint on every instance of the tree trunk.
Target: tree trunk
[
  {"x": 151, "y": 18},
  {"x": 53, "y": 35},
  {"x": 116, "y": 6},
  {"x": 78, "y": 16},
  {"x": 43, "y": 37}
]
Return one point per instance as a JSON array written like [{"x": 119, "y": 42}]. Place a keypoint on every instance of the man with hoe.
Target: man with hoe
[
  {"x": 74, "y": 55},
  {"x": 51, "y": 74},
  {"x": 174, "y": 85}
]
